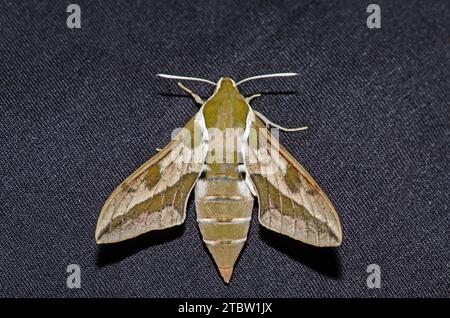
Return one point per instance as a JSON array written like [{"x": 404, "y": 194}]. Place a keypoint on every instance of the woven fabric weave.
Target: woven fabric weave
[{"x": 81, "y": 109}]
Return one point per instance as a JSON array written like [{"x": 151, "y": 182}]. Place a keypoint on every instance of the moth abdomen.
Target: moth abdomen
[{"x": 224, "y": 206}]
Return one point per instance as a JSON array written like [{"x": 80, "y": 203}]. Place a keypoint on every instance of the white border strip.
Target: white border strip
[{"x": 218, "y": 221}]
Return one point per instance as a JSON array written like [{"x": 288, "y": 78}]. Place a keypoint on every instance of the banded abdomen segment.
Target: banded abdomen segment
[{"x": 224, "y": 206}]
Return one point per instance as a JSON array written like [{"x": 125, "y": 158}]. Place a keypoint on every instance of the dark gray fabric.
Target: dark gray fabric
[{"x": 82, "y": 109}]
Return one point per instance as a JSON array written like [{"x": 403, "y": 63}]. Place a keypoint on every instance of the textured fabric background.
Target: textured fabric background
[{"x": 81, "y": 109}]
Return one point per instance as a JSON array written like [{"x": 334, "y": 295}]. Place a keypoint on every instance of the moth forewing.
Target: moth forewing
[
  {"x": 290, "y": 201},
  {"x": 154, "y": 197}
]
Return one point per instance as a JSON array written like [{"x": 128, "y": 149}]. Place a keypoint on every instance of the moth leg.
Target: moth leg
[
  {"x": 197, "y": 98},
  {"x": 250, "y": 98},
  {"x": 269, "y": 123}
]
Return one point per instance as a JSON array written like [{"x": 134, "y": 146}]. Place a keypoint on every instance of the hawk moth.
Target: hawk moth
[{"x": 155, "y": 196}]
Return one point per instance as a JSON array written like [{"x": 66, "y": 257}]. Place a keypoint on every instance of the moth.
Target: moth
[{"x": 230, "y": 156}]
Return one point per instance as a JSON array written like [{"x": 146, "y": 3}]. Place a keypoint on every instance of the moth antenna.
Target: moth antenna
[
  {"x": 266, "y": 76},
  {"x": 186, "y": 78},
  {"x": 268, "y": 122}
]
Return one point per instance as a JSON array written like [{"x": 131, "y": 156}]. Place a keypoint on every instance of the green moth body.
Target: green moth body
[
  {"x": 223, "y": 153},
  {"x": 223, "y": 200}
]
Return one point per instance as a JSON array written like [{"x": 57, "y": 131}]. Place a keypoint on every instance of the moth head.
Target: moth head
[{"x": 226, "y": 82}]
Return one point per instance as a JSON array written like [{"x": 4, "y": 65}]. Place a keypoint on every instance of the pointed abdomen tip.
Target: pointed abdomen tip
[{"x": 226, "y": 274}]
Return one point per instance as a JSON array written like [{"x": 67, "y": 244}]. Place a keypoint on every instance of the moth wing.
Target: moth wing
[
  {"x": 155, "y": 196},
  {"x": 290, "y": 201}
]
